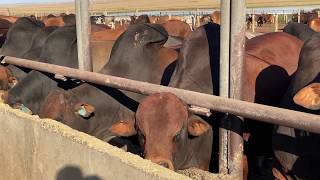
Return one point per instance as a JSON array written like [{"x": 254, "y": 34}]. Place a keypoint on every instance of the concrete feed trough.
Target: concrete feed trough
[{"x": 33, "y": 148}]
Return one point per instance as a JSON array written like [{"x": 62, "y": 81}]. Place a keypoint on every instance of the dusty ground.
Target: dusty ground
[{"x": 268, "y": 28}]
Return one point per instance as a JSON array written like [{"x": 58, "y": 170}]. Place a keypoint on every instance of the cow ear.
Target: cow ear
[
  {"x": 309, "y": 97},
  {"x": 124, "y": 128},
  {"x": 197, "y": 127},
  {"x": 84, "y": 110}
]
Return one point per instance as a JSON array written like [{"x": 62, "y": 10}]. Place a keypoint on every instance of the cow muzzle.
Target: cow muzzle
[
  {"x": 3, "y": 96},
  {"x": 164, "y": 163}
]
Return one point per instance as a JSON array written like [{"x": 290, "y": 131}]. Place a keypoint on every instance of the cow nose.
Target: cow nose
[
  {"x": 164, "y": 164},
  {"x": 167, "y": 164},
  {"x": 3, "y": 96}
]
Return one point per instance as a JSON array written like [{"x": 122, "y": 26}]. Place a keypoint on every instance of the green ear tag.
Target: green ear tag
[
  {"x": 25, "y": 109},
  {"x": 82, "y": 112}
]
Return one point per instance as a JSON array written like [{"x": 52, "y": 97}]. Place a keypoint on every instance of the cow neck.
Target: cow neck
[
  {"x": 198, "y": 65},
  {"x": 148, "y": 69}
]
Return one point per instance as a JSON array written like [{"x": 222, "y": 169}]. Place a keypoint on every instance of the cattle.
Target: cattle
[
  {"x": 314, "y": 24},
  {"x": 172, "y": 155},
  {"x": 23, "y": 30},
  {"x": 305, "y": 17},
  {"x": 153, "y": 19},
  {"x": 270, "y": 59},
  {"x": 60, "y": 48},
  {"x": 11, "y": 19},
  {"x": 97, "y": 107},
  {"x": 176, "y": 144},
  {"x": 67, "y": 20},
  {"x": 297, "y": 151},
  {"x": 4, "y": 27},
  {"x": 215, "y": 17},
  {"x": 298, "y": 30},
  {"x": 100, "y": 53},
  {"x": 25, "y": 39},
  {"x": 140, "y": 19},
  {"x": 107, "y": 35},
  {"x": 177, "y": 31},
  {"x": 177, "y": 28},
  {"x": 98, "y": 27}
]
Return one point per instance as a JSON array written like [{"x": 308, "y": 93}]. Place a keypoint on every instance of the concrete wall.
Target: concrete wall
[{"x": 33, "y": 148}]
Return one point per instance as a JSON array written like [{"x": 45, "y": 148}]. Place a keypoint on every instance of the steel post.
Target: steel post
[
  {"x": 253, "y": 21},
  {"x": 224, "y": 80},
  {"x": 237, "y": 53},
  {"x": 83, "y": 34},
  {"x": 276, "y": 24}
]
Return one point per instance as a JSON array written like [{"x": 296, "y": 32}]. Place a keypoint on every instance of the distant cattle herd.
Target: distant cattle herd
[{"x": 282, "y": 69}]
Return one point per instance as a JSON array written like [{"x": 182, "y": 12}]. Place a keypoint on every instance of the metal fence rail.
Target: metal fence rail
[{"x": 284, "y": 117}]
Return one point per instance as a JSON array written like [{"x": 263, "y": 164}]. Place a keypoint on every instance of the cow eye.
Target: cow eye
[
  {"x": 142, "y": 138},
  {"x": 177, "y": 137}
]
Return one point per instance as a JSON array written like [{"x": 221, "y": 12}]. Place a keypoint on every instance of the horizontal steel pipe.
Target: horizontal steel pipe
[{"x": 254, "y": 111}]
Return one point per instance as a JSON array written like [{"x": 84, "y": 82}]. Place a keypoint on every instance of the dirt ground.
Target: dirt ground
[{"x": 267, "y": 28}]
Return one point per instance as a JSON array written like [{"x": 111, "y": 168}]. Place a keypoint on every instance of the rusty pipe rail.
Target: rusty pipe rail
[{"x": 284, "y": 117}]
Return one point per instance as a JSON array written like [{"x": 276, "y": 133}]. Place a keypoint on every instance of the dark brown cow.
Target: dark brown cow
[
  {"x": 96, "y": 107},
  {"x": 297, "y": 151},
  {"x": 270, "y": 59}
]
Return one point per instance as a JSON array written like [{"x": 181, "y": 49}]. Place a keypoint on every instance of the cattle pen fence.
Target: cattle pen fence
[{"x": 231, "y": 67}]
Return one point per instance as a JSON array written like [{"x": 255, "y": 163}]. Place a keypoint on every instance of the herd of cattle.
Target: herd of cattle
[{"x": 281, "y": 69}]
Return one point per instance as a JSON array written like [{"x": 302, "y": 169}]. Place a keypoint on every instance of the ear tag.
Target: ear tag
[
  {"x": 23, "y": 108},
  {"x": 82, "y": 111}
]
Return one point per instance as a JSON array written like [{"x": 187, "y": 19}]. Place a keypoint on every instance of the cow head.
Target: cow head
[
  {"x": 66, "y": 108},
  {"x": 7, "y": 80},
  {"x": 164, "y": 129},
  {"x": 309, "y": 97}
]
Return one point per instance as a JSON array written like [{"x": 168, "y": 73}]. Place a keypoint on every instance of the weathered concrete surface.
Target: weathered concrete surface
[{"x": 43, "y": 149}]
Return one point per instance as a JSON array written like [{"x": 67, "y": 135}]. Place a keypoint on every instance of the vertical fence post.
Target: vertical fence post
[
  {"x": 253, "y": 20},
  {"x": 286, "y": 18},
  {"x": 224, "y": 79},
  {"x": 237, "y": 52},
  {"x": 276, "y": 23},
  {"x": 198, "y": 19},
  {"x": 83, "y": 34},
  {"x": 8, "y": 12},
  {"x": 299, "y": 16}
]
